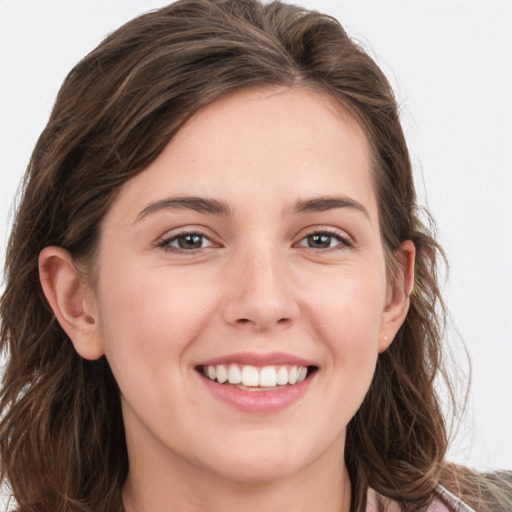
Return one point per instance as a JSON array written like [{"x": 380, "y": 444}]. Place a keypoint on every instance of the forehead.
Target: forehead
[{"x": 284, "y": 144}]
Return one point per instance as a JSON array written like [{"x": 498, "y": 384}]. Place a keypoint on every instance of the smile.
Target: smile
[
  {"x": 257, "y": 383},
  {"x": 255, "y": 378}
]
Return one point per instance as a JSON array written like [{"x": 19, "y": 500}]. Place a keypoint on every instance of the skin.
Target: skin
[{"x": 256, "y": 285}]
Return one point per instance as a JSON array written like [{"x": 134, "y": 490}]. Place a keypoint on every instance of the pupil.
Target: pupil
[
  {"x": 190, "y": 242},
  {"x": 319, "y": 241}
]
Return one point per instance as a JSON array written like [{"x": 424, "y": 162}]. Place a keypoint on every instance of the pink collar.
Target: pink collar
[{"x": 444, "y": 501}]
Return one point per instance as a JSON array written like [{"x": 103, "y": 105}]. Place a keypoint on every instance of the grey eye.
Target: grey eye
[
  {"x": 186, "y": 242},
  {"x": 319, "y": 241},
  {"x": 189, "y": 241},
  {"x": 324, "y": 240}
]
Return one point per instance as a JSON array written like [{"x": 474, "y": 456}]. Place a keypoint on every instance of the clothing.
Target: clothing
[{"x": 445, "y": 501}]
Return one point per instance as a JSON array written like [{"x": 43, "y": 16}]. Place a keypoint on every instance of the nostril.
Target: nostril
[{"x": 261, "y": 320}]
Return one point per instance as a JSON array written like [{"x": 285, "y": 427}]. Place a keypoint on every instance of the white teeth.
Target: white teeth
[
  {"x": 282, "y": 376},
  {"x": 234, "y": 374},
  {"x": 222, "y": 374},
  {"x": 252, "y": 376},
  {"x": 292, "y": 375},
  {"x": 268, "y": 377}
]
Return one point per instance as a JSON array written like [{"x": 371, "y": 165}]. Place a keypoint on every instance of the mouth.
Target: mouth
[
  {"x": 257, "y": 378},
  {"x": 258, "y": 383}
]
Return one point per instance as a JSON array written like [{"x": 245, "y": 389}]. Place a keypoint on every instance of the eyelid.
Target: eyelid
[
  {"x": 165, "y": 240},
  {"x": 347, "y": 242}
]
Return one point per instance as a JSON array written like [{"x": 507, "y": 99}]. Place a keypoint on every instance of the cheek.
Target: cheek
[
  {"x": 151, "y": 317},
  {"x": 350, "y": 307},
  {"x": 347, "y": 319},
  {"x": 149, "y": 323}
]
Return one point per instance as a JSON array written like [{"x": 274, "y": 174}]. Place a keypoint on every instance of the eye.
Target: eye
[
  {"x": 186, "y": 242},
  {"x": 325, "y": 240}
]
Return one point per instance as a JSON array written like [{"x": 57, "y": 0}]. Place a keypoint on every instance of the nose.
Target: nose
[{"x": 259, "y": 292}]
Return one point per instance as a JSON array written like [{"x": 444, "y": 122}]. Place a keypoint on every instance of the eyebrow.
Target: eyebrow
[
  {"x": 198, "y": 204},
  {"x": 218, "y": 207},
  {"x": 325, "y": 203}
]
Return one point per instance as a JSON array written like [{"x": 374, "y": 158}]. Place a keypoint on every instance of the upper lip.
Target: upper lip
[{"x": 256, "y": 359}]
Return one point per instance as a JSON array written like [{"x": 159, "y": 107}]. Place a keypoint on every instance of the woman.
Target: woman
[{"x": 219, "y": 294}]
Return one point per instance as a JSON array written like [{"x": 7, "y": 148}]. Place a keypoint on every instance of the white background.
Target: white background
[{"x": 450, "y": 62}]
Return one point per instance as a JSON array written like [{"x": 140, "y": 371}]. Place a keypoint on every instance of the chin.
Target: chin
[
  {"x": 266, "y": 462},
  {"x": 254, "y": 472}
]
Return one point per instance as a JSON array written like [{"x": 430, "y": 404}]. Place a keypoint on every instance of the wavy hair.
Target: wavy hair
[{"x": 62, "y": 442}]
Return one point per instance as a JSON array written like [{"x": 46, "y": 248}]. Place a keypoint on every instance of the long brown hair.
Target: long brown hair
[{"x": 62, "y": 441}]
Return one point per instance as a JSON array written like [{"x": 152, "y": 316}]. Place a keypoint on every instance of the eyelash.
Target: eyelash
[
  {"x": 344, "y": 241},
  {"x": 166, "y": 242}
]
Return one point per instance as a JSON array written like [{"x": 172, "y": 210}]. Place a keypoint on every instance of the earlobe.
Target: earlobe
[
  {"x": 71, "y": 300},
  {"x": 399, "y": 295}
]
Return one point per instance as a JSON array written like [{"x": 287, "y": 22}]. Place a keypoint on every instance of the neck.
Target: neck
[{"x": 156, "y": 486}]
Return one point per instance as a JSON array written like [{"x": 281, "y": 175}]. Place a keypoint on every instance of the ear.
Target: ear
[
  {"x": 398, "y": 295},
  {"x": 71, "y": 300}
]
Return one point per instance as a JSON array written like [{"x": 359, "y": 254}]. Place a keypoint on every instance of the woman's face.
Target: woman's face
[{"x": 249, "y": 249}]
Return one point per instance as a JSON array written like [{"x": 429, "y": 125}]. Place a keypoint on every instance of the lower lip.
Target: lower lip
[{"x": 257, "y": 402}]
